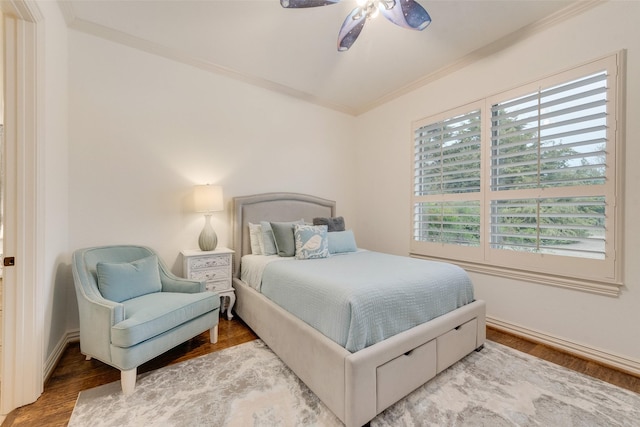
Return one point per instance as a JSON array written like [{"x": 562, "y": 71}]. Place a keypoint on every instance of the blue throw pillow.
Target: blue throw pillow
[
  {"x": 342, "y": 241},
  {"x": 283, "y": 234},
  {"x": 120, "y": 281},
  {"x": 268, "y": 241},
  {"x": 311, "y": 241}
]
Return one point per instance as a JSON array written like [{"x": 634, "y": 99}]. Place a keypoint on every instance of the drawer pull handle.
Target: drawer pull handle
[{"x": 408, "y": 353}]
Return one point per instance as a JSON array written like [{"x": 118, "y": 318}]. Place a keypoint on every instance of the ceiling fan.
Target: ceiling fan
[{"x": 405, "y": 13}]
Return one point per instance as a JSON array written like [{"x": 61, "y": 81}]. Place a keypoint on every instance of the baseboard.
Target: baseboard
[
  {"x": 56, "y": 354},
  {"x": 618, "y": 362},
  {"x": 604, "y": 358}
]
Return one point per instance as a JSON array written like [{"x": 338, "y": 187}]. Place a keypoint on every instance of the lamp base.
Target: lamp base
[{"x": 208, "y": 239}]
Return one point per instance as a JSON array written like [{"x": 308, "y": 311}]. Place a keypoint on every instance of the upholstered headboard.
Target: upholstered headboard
[{"x": 272, "y": 207}]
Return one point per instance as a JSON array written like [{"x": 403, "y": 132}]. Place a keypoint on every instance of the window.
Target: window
[
  {"x": 525, "y": 182},
  {"x": 447, "y": 162}
]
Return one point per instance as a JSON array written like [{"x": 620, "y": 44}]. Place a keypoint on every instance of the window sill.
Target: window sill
[{"x": 594, "y": 287}]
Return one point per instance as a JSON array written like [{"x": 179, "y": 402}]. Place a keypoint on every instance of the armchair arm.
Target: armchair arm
[
  {"x": 98, "y": 315},
  {"x": 173, "y": 283},
  {"x": 100, "y": 310},
  {"x": 176, "y": 284}
]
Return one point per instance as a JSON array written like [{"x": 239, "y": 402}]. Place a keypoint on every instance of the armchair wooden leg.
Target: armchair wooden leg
[
  {"x": 213, "y": 334},
  {"x": 128, "y": 380}
]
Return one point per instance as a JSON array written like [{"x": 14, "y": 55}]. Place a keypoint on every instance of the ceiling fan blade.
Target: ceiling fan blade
[
  {"x": 407, "y": 14},
  {"x": 297, "y": 4},
  {"x": 351, "y": 28}
]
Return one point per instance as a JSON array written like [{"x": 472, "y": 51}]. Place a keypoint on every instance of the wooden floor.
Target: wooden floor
[{"x": 74, "y": 374}]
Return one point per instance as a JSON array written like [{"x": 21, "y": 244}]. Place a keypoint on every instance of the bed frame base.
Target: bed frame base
[{"x": 358, "y": 386}]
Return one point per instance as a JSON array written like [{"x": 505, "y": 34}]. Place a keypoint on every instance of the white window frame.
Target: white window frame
[{"x": 601, "y": 276}]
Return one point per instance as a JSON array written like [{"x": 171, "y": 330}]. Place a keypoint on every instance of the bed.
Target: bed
[{"x": 355, "y": 386}]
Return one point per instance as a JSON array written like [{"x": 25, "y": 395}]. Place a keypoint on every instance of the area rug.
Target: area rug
[{"x": 248, "y": 385}]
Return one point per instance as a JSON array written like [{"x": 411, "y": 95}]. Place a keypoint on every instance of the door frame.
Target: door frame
[{"x": 23, "y": 285}]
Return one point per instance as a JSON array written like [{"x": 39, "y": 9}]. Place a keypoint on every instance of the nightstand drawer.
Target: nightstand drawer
[
  {"x": 219, "y": 286},
  {"x": 197, "y": 263},
  {"x": 211, "y": 274}
]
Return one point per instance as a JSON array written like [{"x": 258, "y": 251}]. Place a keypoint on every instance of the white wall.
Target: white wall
[
  {"x": 53, "y": 167},
  {"x": 145, "y": 129},
  {"x": 384, "y": 176}
]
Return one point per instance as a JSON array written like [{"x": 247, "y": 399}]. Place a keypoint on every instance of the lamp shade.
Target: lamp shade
[{"x": 208, "y": 198}]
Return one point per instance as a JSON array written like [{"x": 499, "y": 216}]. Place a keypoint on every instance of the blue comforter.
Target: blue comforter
[{"x": 361, "y": 298}]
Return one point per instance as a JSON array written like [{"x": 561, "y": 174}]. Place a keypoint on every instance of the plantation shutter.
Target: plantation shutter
[
  {"x": 552, "y": 138},
  {"x": 447, "y": 156},
  {"x": 525, "y": 183},
  {"x": 447, "y": 170}
]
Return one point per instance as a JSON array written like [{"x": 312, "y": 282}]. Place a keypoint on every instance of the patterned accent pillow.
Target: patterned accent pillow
[
  {"x": 311, "y": 241},
  {"x": 255, "y": 237}
]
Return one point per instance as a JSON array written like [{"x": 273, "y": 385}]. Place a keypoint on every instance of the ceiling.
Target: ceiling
[{"x": 293, "y": 51}]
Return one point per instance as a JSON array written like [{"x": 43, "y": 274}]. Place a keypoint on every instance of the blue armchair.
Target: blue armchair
[{"x": 132, "y": 308}]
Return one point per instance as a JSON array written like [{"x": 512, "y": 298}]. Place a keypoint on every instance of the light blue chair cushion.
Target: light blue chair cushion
[
  {"x": 153, "y": 314},
  {"x": 341, "y": 241},
  {"x": 121, "y": 281}
]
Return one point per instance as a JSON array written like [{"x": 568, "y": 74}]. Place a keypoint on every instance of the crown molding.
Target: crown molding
[
  {"x": 88, "y": 27},
  {"x": 26, "y": 10},
  {"x": 67, "y": 11},
  {"x": 123, "y": 38},
  {"x": 523, "y": 33}
]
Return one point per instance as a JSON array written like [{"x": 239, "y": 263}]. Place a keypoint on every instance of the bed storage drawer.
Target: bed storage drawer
[
  {"x": 456, "y": 344},
  {"x": 405, "y": 373}
]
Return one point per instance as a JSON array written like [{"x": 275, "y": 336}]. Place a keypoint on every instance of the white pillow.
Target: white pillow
[{"x": 255, "y": 237}]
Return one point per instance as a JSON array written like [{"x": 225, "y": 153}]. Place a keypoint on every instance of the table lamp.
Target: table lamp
[{"x": 208, "y": 199}]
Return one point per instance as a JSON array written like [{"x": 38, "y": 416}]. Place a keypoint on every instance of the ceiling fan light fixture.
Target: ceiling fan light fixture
[
  {"x": 404, "y": 13},
  {"x": 367, "y": 8}
]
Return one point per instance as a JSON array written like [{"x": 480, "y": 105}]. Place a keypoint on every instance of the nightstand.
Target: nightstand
[{"x": 214, "y": 267}]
